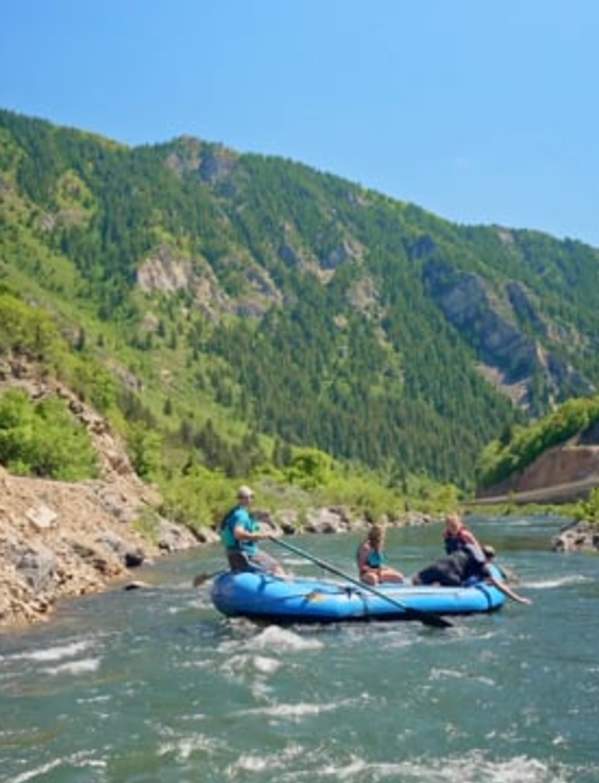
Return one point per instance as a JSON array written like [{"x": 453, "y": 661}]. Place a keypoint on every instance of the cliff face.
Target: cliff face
[{"x": 495, "y": 324}]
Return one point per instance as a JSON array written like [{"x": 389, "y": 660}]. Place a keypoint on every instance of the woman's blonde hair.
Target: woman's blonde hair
[{"x": 375, "y": 535}]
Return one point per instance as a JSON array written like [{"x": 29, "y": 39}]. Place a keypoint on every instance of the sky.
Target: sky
[{"x": 482, "y": 111}]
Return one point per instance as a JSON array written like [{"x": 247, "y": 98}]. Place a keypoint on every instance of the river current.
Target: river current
[{"x": 154, "y": 686}]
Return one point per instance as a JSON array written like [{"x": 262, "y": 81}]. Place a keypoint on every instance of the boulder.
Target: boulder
[
  {"x": 116, "y": 503},
  {"x": 416, "y": 518},
  {"x": 135, "y": 585},
  {"x": 130, "y": 556},
  {"x": 172, "y": 538},
  {"x": 326, "y": 520},
  {"x": 94, "y": 558},
  {"x": 205, "y": 535},
  {"x": 287, "y": 520},
  {"x": 41, "y": 517},
  {"x": 580, "y": 536},
  {"x": 36, "y": 565}
]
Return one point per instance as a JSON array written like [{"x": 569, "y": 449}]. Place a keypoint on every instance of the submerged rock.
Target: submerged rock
[{"x": 135, "y": 585}]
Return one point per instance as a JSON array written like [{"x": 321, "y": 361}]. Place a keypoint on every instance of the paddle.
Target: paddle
[
  {"x": 425, "y": 618},
  {"x": 201, "y": 578}
]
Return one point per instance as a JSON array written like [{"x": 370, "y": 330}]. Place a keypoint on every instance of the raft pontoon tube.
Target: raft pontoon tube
[{"x": 265, "y": 597}]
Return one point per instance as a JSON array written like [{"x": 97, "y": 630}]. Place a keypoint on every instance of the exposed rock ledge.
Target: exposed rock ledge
[
  {"x": 59, "y": 539},
  {"x": 577, "y": 537}
]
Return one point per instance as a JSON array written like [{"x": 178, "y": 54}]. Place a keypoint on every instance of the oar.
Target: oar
[
  {"x": 425, "y": 618},
  {"x": 201, "y": 578}
]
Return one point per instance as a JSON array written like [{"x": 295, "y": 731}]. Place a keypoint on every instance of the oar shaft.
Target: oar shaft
[{"x": 342, "y": 574}]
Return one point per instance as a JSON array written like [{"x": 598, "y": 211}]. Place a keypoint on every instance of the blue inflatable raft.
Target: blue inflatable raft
[{"x": 266, "y": 597}]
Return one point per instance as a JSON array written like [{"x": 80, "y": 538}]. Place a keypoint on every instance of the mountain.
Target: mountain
[{"x": 236, "y": 297}]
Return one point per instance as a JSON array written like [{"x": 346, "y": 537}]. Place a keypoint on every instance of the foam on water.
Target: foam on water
[
  {"x": 184, "y": 747},
  {"x": 83, "y": 666},
  {"x": 260, "y": 762},
  {"x": 266, "y": 665},
  {"x": 297, "y": 712},
  {"x": 273, "y": 639},
  {"x": 38, "y": 771},
  {"x": 444, "y": 674},
  {"x": 55, "y": 653},
  {"x": 195, "y": 603},
  {"x": 475, "y": 767},
  {"x": 550, "y": 584},
  {"x": 94, "y": 699},
  {"x": 78, "y": 760},
  {"x": 238, "y": 664},
  {"x": 282, "y": 640}
]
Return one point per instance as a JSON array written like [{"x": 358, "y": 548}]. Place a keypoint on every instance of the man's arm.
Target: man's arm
[
  {"x": 241, "y": 534},
  {"x": 503, "y": 588}
]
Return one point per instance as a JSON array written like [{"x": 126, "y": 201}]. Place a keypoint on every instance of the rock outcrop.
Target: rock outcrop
[
  {"x": 490, "y": 322},
  {"x": 211, "y": 163},
  {"x": 577, "y": 537},
  {"x": 167, "y": 271}
]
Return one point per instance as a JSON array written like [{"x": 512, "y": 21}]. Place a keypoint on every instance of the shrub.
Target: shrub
[
  {"x": 145, "y": 450},
  {"x": 589, "y": 509},
  {"x": 198, "y": 499},
  {"x": 44, "y": 439}
]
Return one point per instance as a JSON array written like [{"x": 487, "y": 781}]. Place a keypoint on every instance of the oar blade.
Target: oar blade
[
  {"x": 201, "y": 579},
  {"x": 432, "y": 620}
]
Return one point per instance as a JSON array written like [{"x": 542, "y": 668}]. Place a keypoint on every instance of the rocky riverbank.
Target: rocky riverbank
[{"x": 59, "y": 539}]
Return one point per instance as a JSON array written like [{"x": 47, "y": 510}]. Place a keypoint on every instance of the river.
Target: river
[{"x": 154, "y": 686}]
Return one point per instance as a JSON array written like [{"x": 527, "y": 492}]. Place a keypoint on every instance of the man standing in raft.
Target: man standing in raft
[
  {"x": 371, "y": 559},
  {"x": 240, "y": 532}
]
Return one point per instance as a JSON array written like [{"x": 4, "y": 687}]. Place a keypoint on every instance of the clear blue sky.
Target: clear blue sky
[{"x": 479, "y": 110}]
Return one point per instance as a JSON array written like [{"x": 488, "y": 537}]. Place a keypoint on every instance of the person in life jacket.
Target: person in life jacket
[
  {"x": 240, "y": 533},
  {"x": 471, "y": 563},
  {"x": 457, "y": 536},
  {"x": 371, "y": 559}
]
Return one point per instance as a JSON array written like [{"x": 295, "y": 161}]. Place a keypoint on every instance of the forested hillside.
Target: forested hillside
[{"x": 244, "y": 303}]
